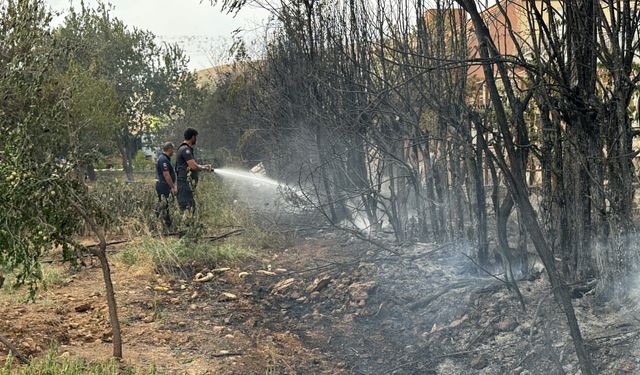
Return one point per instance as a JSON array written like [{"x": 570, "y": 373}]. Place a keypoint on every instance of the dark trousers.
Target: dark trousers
[
  {"x": 163, "y": 210},
  {"x": 185, "y": 196}
]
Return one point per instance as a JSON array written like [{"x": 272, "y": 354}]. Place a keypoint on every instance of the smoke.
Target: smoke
[{"x": 617, "y": 261}]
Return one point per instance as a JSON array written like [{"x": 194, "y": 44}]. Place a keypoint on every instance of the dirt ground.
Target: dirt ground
[{"x": 328, "y": 304}]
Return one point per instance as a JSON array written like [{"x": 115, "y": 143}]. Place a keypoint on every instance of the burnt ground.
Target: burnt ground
[{"x": 327, "y": 304}]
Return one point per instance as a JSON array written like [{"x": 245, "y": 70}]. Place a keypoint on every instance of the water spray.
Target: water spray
[{"x": 240, "y": 174}]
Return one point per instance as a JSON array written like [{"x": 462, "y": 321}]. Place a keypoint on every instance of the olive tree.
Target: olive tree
[{"x": 43, "y": 198}]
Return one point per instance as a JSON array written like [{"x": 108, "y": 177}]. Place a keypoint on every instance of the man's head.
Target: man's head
[
  {"x": 190, "y": 136},
  {"x": 167, "y": 148}
]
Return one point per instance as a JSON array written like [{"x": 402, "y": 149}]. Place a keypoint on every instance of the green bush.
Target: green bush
[{"x": 141, "y": 162}]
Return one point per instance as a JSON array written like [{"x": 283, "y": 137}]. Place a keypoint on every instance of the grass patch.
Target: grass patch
[
  {"x": 219, "y": 210},
  {"x": 52, "y": 364},
  {"x": 51, "y": 276},
  {"x": 216, "y": 213},
  {"x": 169, "y": 255}
]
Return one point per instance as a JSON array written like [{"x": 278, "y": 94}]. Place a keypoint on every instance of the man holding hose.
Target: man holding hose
[{"x": 187, "y": 170}]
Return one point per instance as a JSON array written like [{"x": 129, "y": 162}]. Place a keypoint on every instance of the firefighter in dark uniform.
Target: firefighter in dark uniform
[
  {"x": 165, "y": 183},
  {"x": 187, "y": 170}
]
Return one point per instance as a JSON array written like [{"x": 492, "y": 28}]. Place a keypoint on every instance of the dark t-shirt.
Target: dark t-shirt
[
  {"x": 183, "y": 155},
  {"x": 164, "y": 164}
]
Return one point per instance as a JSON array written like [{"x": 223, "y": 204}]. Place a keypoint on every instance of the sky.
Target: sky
[{"x": 202, "y": 30}]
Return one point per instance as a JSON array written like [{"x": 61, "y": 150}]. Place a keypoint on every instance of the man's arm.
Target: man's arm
[
  {"x": 169, "y": 181},
  {"x": 198, "y": 167}
]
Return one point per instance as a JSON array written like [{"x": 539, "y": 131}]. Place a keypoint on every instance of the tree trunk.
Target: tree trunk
[
  {"x": 324, "y": 176},
  {"x": 126, "y": 152},
  {"x": 515, "y": 177},
  {"x": 101, "y": 253},
  {"x": 431, "y": 196},
  {"x": 481, "y": 202},
  {"x": 91, "y": 172}
]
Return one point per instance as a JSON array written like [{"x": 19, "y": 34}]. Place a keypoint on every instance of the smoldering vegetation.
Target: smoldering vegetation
[{"x": 510, "y": 128}]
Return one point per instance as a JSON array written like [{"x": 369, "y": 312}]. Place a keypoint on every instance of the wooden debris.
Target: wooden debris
[
  {"x": 282, "y": 285},
  {"x": 200, "y": 278},
  {"x": 15, "y": 351},
  {"x": 265, "y": 273},
  {"x": 221, "y": 270}
]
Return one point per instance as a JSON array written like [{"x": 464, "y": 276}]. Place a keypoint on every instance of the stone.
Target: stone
[
  {"x": 479, "y": 362},
  {"x": 225, "y": 296},
  {"x": 628, "y": 367},
  {"x": 360, "y": 291},
  {"x": 507, "y": 325},
  {"x": 319, "y": 284},
  {"x": 83, "y": 307},
  {"x": 457, "y": 322},
  {"x": 504, "y": 338}
]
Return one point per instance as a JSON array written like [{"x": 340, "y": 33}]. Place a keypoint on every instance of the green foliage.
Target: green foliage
[
  {"x": 92, "y": 113},
  {"x": 34, "y": 180},
  {"x": 54, "y": 365},
  {"x": 151, "y": 81},
  {"x": 141, "y": 163}
]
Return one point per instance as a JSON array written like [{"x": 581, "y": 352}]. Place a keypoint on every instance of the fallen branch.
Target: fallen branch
[
  {"x": 227, "y": 354},
  {"x": 108, "y": 243},
  {"x": 236, "y": 232},
  {"x": 511, "y": 284},
  {"x": 454, "y": 354},
  {"x": 427, "y": 300},
  {"x": 210, "y": 238},
  {"x": 14, "y": 350}
]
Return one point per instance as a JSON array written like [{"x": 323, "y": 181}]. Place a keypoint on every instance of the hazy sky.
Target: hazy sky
[{"x": 202, "y": 30}]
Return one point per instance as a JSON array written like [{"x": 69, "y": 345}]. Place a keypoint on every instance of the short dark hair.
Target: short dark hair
[
  {"x": 167, "y": 146},
  {"x": 189, "y": 133}
]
